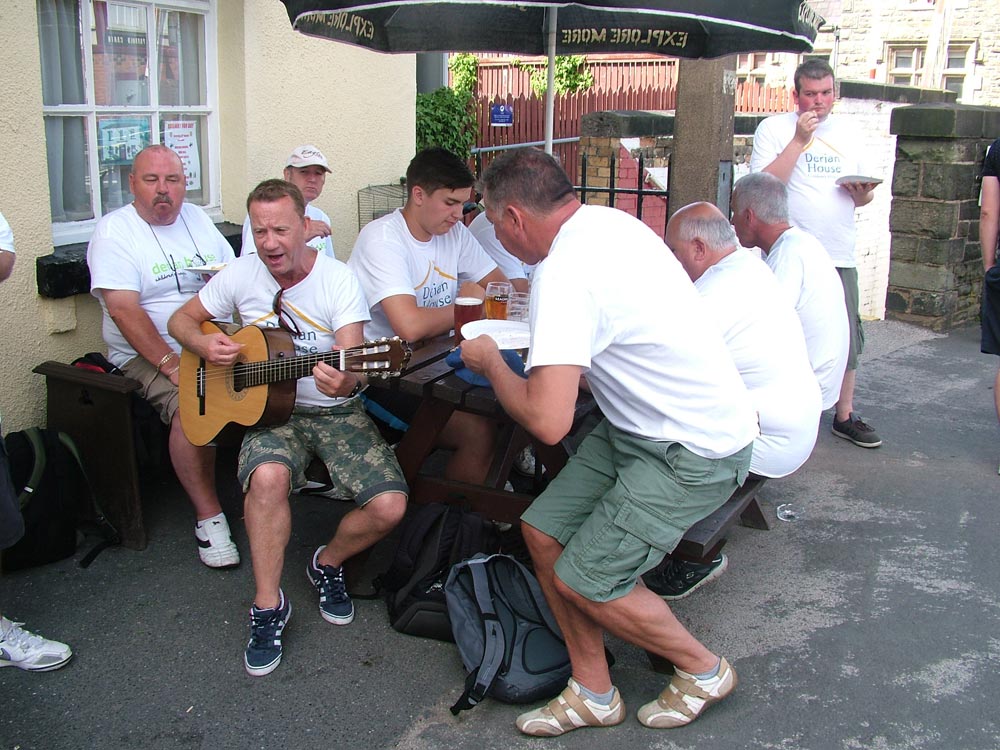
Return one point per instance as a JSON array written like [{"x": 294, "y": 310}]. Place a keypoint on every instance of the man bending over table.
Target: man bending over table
[
  {"x": 317, "y": 300},
  {"x": 413, "y": 264},
  {"x": 674, "y": 445}
]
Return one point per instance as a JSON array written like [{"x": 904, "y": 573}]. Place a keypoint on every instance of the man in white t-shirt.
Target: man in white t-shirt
[
  {"x": 138, "y": 256},
  {"x": 810, "y": 150},
  {"x": 804, "y": 272},
  {"x": 413, "y": 264},
  {"x": 764, "y": 337},
  {"x": 306, "y": 168},
  {"x": 518, "y": 273},
  {"x": 19, "y": 647},
  {"x": 317, "y": 301},
  {"x": 674, "y": 445}
]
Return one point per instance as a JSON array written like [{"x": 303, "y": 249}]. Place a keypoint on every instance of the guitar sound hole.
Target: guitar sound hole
[{"x": 239, "y": 377}]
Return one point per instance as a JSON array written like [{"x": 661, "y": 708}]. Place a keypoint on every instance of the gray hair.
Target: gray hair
[
  {"x": 715, "y": 231},
  {"x": 529, "y": 177},
  {"x": 765, "y": 195}
]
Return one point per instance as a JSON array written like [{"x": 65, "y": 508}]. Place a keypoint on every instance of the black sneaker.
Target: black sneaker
[
  {"x": 334, "y": 603},
  {"x": 675, "y": 579},
  {"x": 857, "y": 431},
  {"x": 263, "y": 653}
]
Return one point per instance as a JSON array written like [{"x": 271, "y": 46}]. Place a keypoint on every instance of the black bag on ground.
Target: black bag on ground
[
  {"x": 433, "y": 537},
  {"x": 55, "y": 498},
  {"x": 506, "y": 634}
]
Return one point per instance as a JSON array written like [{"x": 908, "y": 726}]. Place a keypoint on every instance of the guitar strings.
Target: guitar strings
[{"x": 267, "y": 366}]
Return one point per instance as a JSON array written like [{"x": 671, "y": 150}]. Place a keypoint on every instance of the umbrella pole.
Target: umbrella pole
[{"x": 550, "y": 89}]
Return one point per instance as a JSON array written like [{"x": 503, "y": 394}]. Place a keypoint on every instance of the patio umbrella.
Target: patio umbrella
[{"x": 679, "y": 28}]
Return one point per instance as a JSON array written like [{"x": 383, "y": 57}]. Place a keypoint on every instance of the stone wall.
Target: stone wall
[
  {"x": 871, "y": 105},
  {"x": 936, "y": 268}
]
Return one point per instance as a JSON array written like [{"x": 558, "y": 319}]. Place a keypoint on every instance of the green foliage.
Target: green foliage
[
  {"x": 465, "y": 72},
  {"x": 571, "y": 75},
  {"x": 445, "y": 118}
]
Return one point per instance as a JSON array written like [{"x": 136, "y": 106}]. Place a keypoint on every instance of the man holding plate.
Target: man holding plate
[
  {"x": 674, "y": 445},
  {"x": 816, "y": 154}
]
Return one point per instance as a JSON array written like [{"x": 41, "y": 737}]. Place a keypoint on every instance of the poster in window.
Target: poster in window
[
  {"x": 121, "y": 138},
  {"x": 182, "y": 137}
]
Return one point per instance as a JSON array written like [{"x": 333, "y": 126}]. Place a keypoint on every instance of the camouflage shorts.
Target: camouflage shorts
[{"x": 361, "y": 464}]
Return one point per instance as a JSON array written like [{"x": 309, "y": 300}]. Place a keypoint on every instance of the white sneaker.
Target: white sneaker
[
  {"x": 25, "y": 650},
  {"x": 568, "y": 711},
  {"x": 525, "y": 462},
  {"x": 686, "y": 697},
  {"x": 215, "y": 543}
]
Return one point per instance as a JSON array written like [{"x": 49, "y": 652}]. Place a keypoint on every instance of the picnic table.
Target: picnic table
[{"x": 442, "y": 393}]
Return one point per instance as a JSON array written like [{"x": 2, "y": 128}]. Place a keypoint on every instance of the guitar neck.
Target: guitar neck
[{"x": 288, "y": 368}]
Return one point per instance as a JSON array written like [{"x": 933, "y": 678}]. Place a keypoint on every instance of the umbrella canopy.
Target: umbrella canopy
[{"x": 679, "y": 28}]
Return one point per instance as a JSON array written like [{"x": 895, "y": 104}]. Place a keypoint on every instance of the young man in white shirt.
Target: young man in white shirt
[
  {"x": 413, "y": 264},
  {"x": 809, "y": 150}
]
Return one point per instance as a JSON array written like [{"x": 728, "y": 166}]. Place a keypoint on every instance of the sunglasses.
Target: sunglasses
[{"x": 285, "y": 321}]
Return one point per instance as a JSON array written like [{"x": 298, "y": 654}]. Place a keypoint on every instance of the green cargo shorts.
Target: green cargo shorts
[
  {"x": 622, "y": 503},
  {"x": 360, "y": 463}
]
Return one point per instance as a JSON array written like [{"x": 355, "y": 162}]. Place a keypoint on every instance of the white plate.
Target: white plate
[
  {"x": 508, "y": 334},
  {"x": 858, "y": 178},
  {"x": 214, "y": 268}
]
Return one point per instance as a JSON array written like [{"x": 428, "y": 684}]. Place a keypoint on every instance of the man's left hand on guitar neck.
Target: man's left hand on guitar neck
[{"x": 337, "y": 384}]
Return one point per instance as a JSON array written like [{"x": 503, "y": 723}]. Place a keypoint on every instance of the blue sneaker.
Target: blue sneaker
[
  {"x": 263, "y": 654},
  {"x": 334, "y": 603}
]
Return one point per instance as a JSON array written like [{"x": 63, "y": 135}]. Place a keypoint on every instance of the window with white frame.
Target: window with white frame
[
  {"x": 958, "y": 66},
  {"x": 116, "y": 77},
  {"x": 905, "y": 64}
]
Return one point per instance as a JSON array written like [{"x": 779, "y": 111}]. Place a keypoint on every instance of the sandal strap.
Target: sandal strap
[{"x": 672, "y": 698}]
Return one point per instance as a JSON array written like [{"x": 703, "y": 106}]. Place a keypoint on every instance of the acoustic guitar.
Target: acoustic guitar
[{"x": 220, "y": 403}]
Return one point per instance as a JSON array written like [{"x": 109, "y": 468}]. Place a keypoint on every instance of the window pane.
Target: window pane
[
  {"x": 187, "y": 135},
  {"x": 956, "y": 58},
  {"x": 953, "y": 83},
  {"x": 61, "y": 46},
  {"x": 181, "y": 50},
  {"x": 69, "y": 182},
  {"x": 121, "y": 54},
  {"x": 902, "y": 59},
  {"x": 901, "y": 80},
  {"x": 119, "y": 139}
]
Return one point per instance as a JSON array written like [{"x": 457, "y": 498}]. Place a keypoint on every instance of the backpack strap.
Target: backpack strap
[
  {"x": 108, "y": 532},
  {"x": 34, "y": 437},
  {"x": 481, "y": 678}
]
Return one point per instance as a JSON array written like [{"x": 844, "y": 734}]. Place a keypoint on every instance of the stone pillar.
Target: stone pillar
[
  {"x": 935, "y": 272},
  {"x": 701, "y": 167}
]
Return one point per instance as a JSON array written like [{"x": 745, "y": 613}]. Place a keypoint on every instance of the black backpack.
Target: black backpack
[
  {"x": 506, "y": 634},
  {"x": 55, "y": 498},
  {"x": 433, "y": 537}
]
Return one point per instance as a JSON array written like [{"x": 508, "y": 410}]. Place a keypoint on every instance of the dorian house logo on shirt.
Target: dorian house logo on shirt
[
  {"x": 823, "y": 163},
  {"x": 437, "y": 289}
]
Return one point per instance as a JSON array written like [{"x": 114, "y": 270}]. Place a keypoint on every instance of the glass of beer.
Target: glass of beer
[
  {"x": 466, "y": 309},
  {"x": 497, "y": 294}
]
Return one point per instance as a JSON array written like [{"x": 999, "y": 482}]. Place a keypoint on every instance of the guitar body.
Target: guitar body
[{"x": 214, "y": 405}]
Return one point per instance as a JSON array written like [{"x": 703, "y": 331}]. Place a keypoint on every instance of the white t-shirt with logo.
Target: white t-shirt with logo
[
  {"x": 611, "y": 298},
  {"x": 127, "y": 253},
  {"x": 764, "y": 337},
  {"x": 815, "y": 203},
  {"x": 319, "y": 244},
  {"x": 390, "y": 261},
  {"x": 486, "y": 235},
  {"x": 327, "y": 299},
  {"x": 812, "y": 285}
]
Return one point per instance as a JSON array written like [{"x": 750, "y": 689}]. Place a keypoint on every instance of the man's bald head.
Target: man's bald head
[{"x": 700, "y": 236}]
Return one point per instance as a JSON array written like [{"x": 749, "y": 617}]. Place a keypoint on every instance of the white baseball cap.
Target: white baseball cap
[{"x": 307, "y": 156}]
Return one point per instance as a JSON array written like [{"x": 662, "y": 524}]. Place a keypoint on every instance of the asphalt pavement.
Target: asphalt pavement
[{"x": 870, "y": 621}]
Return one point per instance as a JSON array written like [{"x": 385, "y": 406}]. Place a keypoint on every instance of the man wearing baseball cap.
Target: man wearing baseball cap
[{"x": 306, "y": 168}]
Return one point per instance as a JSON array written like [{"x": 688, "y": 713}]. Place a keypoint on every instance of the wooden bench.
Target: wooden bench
[{"x": 704, "y": 540}]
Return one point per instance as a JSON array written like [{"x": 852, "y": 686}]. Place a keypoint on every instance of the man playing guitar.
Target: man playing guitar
[{"x": 318, "y": 301}]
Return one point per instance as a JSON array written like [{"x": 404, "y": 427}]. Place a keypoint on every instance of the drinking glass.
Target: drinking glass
[
  {"x": 497, "y": 294},
  {"x": 517, "y": 306},
  {"x": 467, "y": 309}
]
